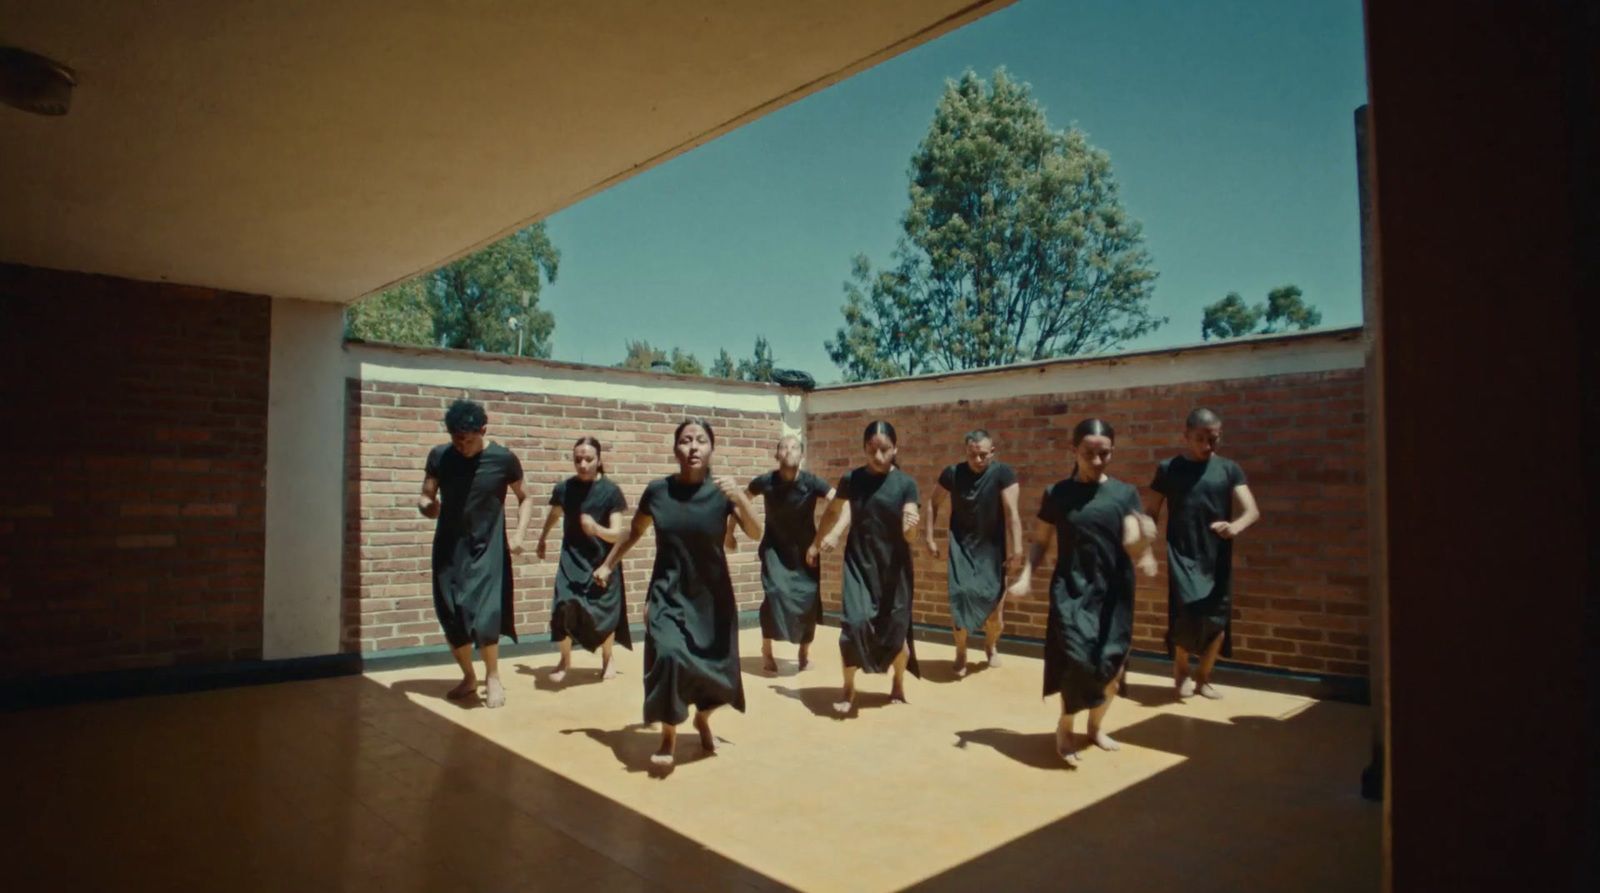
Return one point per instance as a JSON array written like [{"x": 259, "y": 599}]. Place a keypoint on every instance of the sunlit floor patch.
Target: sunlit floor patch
[{"x": 378, "y": 782}]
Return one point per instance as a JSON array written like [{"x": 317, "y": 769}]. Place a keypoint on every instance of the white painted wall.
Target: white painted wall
[
  {"x": 305, "y": 480},
  {"x": 1247, "y": 358},
  {"x": 477, "y": 372}
]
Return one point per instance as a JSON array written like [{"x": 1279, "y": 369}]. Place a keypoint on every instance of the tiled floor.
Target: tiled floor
[{"x": 376, "y": 783}]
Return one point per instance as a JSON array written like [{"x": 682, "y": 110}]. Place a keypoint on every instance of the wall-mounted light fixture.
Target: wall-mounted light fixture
[{"x": 31, "y": 82}]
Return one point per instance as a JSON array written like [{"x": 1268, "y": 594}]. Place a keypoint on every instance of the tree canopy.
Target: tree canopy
[
  {"x": 1285, "y": 309},
  {"x": 1015, "y": 247},
  {"x": 469, "y": 303}
]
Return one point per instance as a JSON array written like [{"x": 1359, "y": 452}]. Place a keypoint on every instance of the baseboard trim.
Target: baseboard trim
[
  {"x": 1323, "y": 687},
  {"x": 56, "y": 691}
]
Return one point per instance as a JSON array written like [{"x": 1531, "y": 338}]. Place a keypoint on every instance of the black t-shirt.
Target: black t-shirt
[
  {"x": 877, "y": 504},
  {"x": 691, "y": 522},
  {"x": 977, "y": 517},
  {"x": 790, "y": 508},
  {"x": 598, "y": 499},
  {"x": 1198, "y": 495},
  {"x": 472, "y": 491},
  {"x": 1090, "y": 558}
]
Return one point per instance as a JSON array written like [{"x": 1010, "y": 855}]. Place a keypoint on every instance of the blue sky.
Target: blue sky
[{"x": 1228, "y": 123}]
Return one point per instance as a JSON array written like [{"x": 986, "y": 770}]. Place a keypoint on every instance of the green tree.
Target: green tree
[
  {"x": 401, "y": 315},
  {"x": 475, "y": 296},
  {"x": 759, "y": 366},
  {"x": 1285, "y": 309},
  {"x": 469, "y": 303},
  {"x": 1015, "y": 247},
  {"x": 684, "y": 363},
  {"x": 723, "y": 366},
  {"x": 643, "y": 357},
  {"x": 1230, "y": 317}
]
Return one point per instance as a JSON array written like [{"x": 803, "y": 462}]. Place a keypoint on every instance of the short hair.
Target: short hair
[
  {"x": 465, "y": 417},
  {"x": 794, "y": 437},
  {"x": 1093, "y": 428},
  {"x": 978, "y": 435},
  {"x": 1202, "y": 418}
]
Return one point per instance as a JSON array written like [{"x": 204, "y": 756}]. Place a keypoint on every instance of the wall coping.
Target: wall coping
[
  {"x": 535, "y": 363},
  {"x": 1247, "y": 343}
]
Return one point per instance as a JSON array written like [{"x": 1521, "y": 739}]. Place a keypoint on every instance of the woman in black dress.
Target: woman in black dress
[
  {"x": 691, "y": 638},
  {"x": 877, "y": 504},
  {"x": 1098, "y": 527},
  {"x": 592, "y": 508},
  {"x": 792, "y": 585}
]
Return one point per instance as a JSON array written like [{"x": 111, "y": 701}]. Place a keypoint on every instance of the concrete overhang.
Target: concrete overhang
[{"x": 326, "y": 150}]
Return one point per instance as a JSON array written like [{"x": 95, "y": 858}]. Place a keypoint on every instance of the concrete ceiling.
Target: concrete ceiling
[{"x": 325, "y": 150}]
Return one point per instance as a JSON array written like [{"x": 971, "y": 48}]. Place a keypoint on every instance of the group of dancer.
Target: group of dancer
[{"x": 1102, "y": 533}]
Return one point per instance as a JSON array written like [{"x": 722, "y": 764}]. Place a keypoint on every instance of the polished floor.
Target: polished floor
[{"x": 378, "y": 783}]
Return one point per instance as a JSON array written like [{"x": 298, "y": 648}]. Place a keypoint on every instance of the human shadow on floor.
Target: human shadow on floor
[
  {"x": 634, "y": 744},
  {"x": 1036, "y": 749},
  {"x": 1288, "y": 783},
  {"x": 1149, "y": 695},
  {"x": 575, "y": 677},
  {"x": 943, "y": 672},
  {"x": 820, "y": 699},
  {"x": 753, "y": 666},
  {"x": 438, "y": 689}
]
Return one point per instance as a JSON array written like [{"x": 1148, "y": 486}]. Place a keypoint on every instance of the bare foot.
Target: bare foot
[
  {"x": 1066, "y": 748},
  {"x": 708, "y": 741},
  {"x": 1186, "y": 687},
  {"x": 769, "y": 665},
  {"x": 467, "y": 688},
  {"x": 1207, "y": 690},
  {"x": 669, "y": 740},
  {"x": 496, "y": 694},
  {"x": 994, "y": 659},
  {"x": 898, "y": 696},
  {"x": 1104, "y": 741},
  {"x": 843, "y": 707},
  {"x": 805, "y": 662},
  {"x": 609, "y": 671}
]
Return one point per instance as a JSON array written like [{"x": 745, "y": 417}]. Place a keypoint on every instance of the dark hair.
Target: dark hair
[
  {"x": 704, "y": 426},
  {"x": 978, "y": 435},
  {"x": 590, "y": 441},
  {"x": 1092, "y": 428},
  {"x": 464, "y": 417},
  {"x": 887, "y": 430},
  {"x": 1202, "y": 418}
]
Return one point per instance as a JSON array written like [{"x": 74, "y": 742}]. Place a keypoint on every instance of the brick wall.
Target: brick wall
[
  {"x": 135, "y": 449},
  {"x": 387, "y": 593},
  {"x": 1300, "y": 575}
]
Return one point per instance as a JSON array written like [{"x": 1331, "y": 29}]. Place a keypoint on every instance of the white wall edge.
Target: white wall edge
[
  {"x": 1142, "y": 370},
  {"x": 442, "y": 370},
  {"x": 305, "y": 481}
]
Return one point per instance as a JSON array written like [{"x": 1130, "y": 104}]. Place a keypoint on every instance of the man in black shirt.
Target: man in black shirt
[
  {"x": 1203, "y": 488},
  {"x": 465, "y": 491},
  {"x": 982, "y": 494}
]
